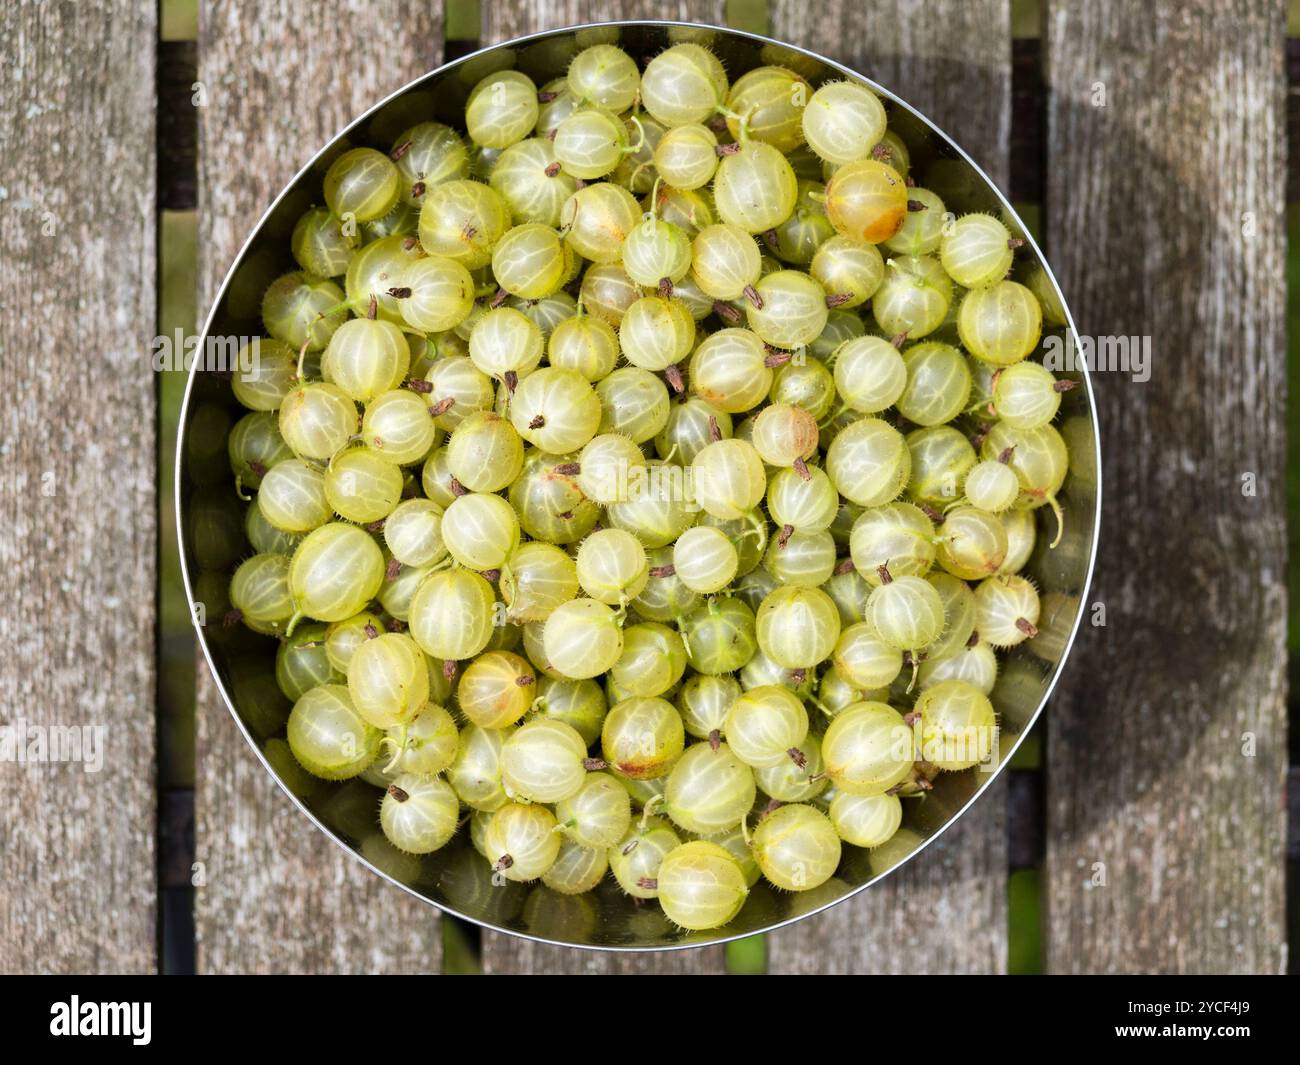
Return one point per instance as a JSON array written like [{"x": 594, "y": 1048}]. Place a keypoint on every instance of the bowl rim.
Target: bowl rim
[{"x": 688, "y": 943}]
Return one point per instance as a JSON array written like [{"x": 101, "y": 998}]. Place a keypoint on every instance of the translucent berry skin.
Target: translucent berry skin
[
  {"x": 870, "y": 374},
  {"x": 528, "y": 261},
  {"x": 451, "y": 615},
  {"x": 793, "y": 311},
  {"x": 755, "y": 188},
  {"x": 635, "y": 859},
  {"x": 709, "y": 790},
  {"x": 260, "y": 590},
  {"x": 656, "y": 332},
  {"x": 522, "y": 179},
  {"x": 973, "y": 545},
  {"x": 656, "y": 250},
  {"x": 770, "y": 102},
  {"x": 938, "y": 384},
  {"x": 521, "y": 841},
  {"x": 866, "y": 200},
  {"x": 958, "y": 725},
  {"x": 555, "y": 410},
  {"x": 606, "y": 76},
  {"x": 898, "y": 535},
  {"x": 868, "y": 462},
  {"x": 976, "y": 665},
  {"x": 783, "y": 434},
  {"x": 292, "y": 497},
  {"x": 790, "y": 781},
  {"x": 598, "y": 814},
  {"x": 463, "y": 220},
  {"x": 1000, "y": 324},
  {"x": 335, "y": 572},
  {"x": 496, "y": 689},
  {"x": 1007, "y": 608},
  {"x": 583, "y": 638},
  {"x": 642, "y": 738},
  {"x": 849, "y": 270},
  {"x": 923, "y": 228},
  {"x": 976, "y": 251},
  {"x": 686, "y": 156},
  {"x": 597, "y": 219},
  {"x": 328, "y": 737},
  {"x": 1026, "y": 396},
  {"x": 705, "y": 559},
  {"x": 798, "y": 627},
  {"x": 576, "y": 869},
  {"x": 388, "y": 679},
  {"x": 652, "y": 662},
  {"x": 502, "y": 109},
  {"x": 683, "y": 84},
  {"x": 703, "y": 702},
  {"x": 728, "y": 370},
  {"x": 729, "y": 478},
  {"x": 724, "y": 259},
  {"x": 700, "y": 885},
  {"x": 316, "y": 420},
  {"x": 797, "y": 847},
  {"x": 766, "y": 725},
  {"x": 419, "y": 814},
  {"x": 542, "y": 761},
  {"x": 842, "y": 121},
  {"x": 864, "y": 660},
  {"x": 361, "y": 183},
  {"x": 475, "y": 772},
  {"x": 868, "y": 749},
  {"x": 719, "y": 635},
  {"x": 914, "y": 297},
  {"x": 866, "y": 820}
]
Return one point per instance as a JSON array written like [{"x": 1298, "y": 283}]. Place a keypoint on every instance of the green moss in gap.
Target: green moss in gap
[
  {"x": 748, "y": 15},
  {"x": 460, "y": 948},
  {"x": 178, "y": 20},
  {"x": 1029, "y": 755},
  {"x": 177, "y": 294},
  {"x": 1024, "y": 923},
  {"x": 463, "y": 20},
  {"x": 747, "y": 957},
  {"x": 1026, "y": 18}
]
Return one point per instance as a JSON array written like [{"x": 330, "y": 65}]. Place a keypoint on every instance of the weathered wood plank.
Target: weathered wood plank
[
  {"x": 78, "y": 505},
  {"x": 502, "y": 21},
  {"x": 1166, "y": 185},
  {"x": 946, "y": 910},
  {"x": 506, "y": 954},
  {"x": 281, "y": 78}
]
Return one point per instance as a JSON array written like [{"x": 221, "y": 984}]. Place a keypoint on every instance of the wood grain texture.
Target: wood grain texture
[
  {"x": 506, "y": 954},
  {"x": 1165, "y": 219},
  {"x": 946, "y": 910},
  {"x": 78, "y": 528},
  {"x": 502, "y": 21},
  {"x": 282, "y": 78}
]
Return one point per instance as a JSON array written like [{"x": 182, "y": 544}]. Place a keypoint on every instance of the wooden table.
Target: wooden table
[{"x": 1157, "y": 149}]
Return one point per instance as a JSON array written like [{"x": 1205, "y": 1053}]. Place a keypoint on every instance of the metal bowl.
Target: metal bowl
[{"x": 456, "y": 879}]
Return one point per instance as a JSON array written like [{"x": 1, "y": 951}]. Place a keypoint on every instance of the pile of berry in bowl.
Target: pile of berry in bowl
[{"x": 647, "y": 506}]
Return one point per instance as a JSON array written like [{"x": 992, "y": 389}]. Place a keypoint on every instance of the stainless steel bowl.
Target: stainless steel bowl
[{"x": 456, "y": 879}]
